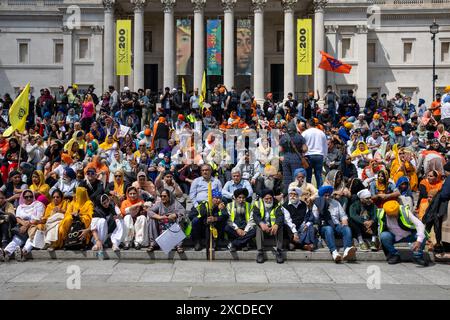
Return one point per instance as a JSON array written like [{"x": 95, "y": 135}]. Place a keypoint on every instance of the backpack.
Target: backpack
[{"x": 72, "y": 241}]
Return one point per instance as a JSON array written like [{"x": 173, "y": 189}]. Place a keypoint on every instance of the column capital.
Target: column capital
[
  {"x": 228, "y": 5},
  {"x": 97, "y": 29},
  {"x": 109, "y": 5},
  {"x": 258, "y": 5},
  {"x": 288, "y": 5},
  {"x": 198, "y": 5},
  {"x": 331, "y": 28},
  {"x": 319, "y": 5},
  {"x": 168, "y": 5},
  {"x": 139, "y": 5},
  {"x": 66, "y": 30},
  {"x": 362, "y": 28}
]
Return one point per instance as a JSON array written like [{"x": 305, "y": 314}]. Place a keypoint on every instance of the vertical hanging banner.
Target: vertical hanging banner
[
  {"x": 184, "y": 50},
  {"x": 304, "y": 47},
  {"x": 123, "y": 47},
  {"x": 244, "y": 47},
  {"x": 214, "y": 47}
]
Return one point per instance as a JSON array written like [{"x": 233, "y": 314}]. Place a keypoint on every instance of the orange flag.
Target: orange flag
[{"x": 331, "y": 64}]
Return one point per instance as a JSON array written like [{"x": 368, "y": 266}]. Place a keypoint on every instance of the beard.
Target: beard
[
  {"x": 268, "y": 206},
  {"x": 294, "y": 202}
]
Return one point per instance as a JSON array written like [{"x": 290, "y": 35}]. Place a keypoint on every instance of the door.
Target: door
[
  {"x": 277, "y": 81},
  {"x": 151, "y": 77}
]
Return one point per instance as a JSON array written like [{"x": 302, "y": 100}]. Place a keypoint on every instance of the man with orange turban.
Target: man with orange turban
[{"x": 397, "y": 224}]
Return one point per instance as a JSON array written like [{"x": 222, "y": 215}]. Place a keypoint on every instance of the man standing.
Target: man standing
[
  {"x": 293, "y": 145},
  {"x": 316, "y": 141},
  {"x": 397, "y": 224},
  {"x": 371, "y": 106},
  {"x": 269, "y": 220},
  {"x": 114, "y": 99}
]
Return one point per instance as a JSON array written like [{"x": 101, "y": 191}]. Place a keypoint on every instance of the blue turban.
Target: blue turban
[
  {"x": 447, "y": 98},
  {"x": 70, "y": 173},
  {"x": 47, "y": 115},
  {"x": 421, "y": 102},
  {"x": 216, "y": 193},
  {"x": 325, "y": 189},
  {"x": 299, "y": 170}
]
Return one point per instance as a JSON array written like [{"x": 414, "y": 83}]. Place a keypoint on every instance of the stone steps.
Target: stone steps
[{"x": 319, "y": 255}]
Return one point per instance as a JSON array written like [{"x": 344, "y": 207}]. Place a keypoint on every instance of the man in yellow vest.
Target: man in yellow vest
[
  {"x": 240, "y": 227},
  {"x": 269, "y": 220},
  {"x": 397, "y": 224}
]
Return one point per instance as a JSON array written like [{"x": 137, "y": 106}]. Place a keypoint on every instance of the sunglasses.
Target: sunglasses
[
  {"x": 28, "y": 197},
  {"x": 91, "y": 173},
  {"x": 118, "y": 176}
]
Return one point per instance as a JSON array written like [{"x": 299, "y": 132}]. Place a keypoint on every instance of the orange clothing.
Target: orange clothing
[{"x": 435, "y": 108}]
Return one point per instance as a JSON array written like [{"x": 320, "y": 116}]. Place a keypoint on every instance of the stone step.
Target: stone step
[{"x": 299, "y": 255}]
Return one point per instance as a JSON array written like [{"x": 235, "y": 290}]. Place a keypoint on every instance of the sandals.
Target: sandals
[{"x": 18, "y": 255}]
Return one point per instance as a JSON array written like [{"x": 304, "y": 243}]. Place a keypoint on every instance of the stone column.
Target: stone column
[
  {"x": 331, "y": 32},
  {"x": 169, "y": 44},
  {"x": 289, "y": 46},
  {"x": 109, "y": 45},
  {"x": 228, "y": 65},
  {"x": 97, "y": 45},
  {"x": 258, "y": 72},
  {"x": 67, "y": 56},
  {"x": 138, "y": 54},
  {"x": 361, "y": 93},
  {"x": 199, "y": 43},
  {"x": 319, "y": 45}
]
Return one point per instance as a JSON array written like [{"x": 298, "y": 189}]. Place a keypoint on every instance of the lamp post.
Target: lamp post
[{"x": 434, "y": 30}]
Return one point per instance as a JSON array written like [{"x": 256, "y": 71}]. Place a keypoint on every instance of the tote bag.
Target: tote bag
[{"x": 170, "y": 238}]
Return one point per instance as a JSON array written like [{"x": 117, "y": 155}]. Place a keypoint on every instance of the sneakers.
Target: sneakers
[
  {"x": 349, "y": 254},
  {"x": 279, "y": 256},
  {"x": 363, "y": 247},
  {"x": 18, "y": 255},
  {"x": 421, "y": 261},
  {"x": 373, "y": 246},
  {"x": 260, "y": 257},
  {"x": 336, "y": 256},
  {"x": 197, "y": 246},
  {"x": 231, "y": 247},
  {"x": 393, "y": 259}
]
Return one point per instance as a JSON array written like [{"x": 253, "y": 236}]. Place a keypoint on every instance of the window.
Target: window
[
  {"x": 407, "y": 51},
  {"x": 23, "y": 52},
  {"x": 83, "y": 49},
  {"x": 59, "y": 52},
  {"x": 371, "y": 52},
  {"x": 445, "y": 51},
  {"x": 346, "y": 44}
]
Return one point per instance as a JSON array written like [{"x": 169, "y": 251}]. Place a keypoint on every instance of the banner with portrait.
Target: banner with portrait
[
  {"x": 304, "y": 47},
  {"x": 244, "y": 47},
  {"x": 184, "y": 47},
  {"x": 214, "y": 47},
  {"x": 123, "y": 47}
]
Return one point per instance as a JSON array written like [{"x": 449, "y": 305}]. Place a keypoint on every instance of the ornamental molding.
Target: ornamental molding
[
  {"x": 331, "y": 28},
  {"x": 319, "y": 5},
  {"x": 362, "y": 28},
  {"x": 228, "y": 5},
  {"x": 198, "y": 5},
  {"x": 97, "y": 29},
  {"x": 109, "y": 4},
  {"x": 168, "y": 5},
  {"x": 139, "y": 5},
  {"x": 288, "y": 5},
  {"x": 258, "y": 5}
]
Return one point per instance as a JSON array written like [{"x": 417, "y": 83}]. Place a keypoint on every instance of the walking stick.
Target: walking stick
[{"x": 210, "y": 242}]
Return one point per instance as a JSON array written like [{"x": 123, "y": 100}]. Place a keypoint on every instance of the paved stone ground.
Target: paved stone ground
[{"x": 228, "y": 280}]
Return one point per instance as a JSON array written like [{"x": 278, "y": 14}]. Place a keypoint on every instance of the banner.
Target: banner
[
  {"x": 18, "y": 112},
  {"x": 304, "y": 47},
  {"x": 244, "y": 47},
  {"x": 184, "y": 51},
  {"x": 214, "y": 47},
  {"x": 123, "y": 48}
]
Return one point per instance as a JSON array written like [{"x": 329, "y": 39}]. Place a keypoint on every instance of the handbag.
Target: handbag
[{"x": 73, "y": 241}]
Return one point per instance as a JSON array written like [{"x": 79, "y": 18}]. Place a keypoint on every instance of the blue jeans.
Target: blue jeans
[
  {"x": 388, "y": 239},
  {"x": 316, "y": 163},
  {"x": 328, "y": 232}
]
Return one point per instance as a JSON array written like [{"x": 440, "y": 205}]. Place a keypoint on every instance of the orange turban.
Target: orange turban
[
  {"x": 398, "y": 130},
  {"x": 391, "y": 208}
]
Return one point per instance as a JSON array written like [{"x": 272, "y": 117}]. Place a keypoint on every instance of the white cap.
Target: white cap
[
  {"x": 126, "y": 89},
  {"x": 364, "y": 194}
]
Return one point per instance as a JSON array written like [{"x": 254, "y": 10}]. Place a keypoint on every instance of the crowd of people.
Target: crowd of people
[{"x": 119, "y": 170}]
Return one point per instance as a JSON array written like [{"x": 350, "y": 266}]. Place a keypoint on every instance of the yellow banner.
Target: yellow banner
[
  {"x": 304, "y": 47},
  {"x": 123, "y": 48}
]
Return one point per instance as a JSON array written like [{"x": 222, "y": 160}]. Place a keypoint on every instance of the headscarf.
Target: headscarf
[
  {"x": 42, "y": 187},
  {"x": 330, "y": 179},
  {"x": 358, "y": 152},
  {"x": 381, "y": 187},
  {"x": 106, "y": 146},
  {"x": 433, "y": 186},
  {"x": 128, "y": 202},
  {"x": 81, "y": 199},
  {"x": 22, "y": 199},
  {"x": 97, "y": 165},
  {"x": 35, "y": 208},
  {"x": 401, "y": 181},
  {"x": 92, "y": 152},
  {"x": 118, "y": 188},
  {"x": 81, "y": 142},
  {"x": 70, "y": 173}
]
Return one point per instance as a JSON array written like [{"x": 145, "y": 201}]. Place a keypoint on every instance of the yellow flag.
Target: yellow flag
[
  {"x": 210, "y": 204},
  {"x": 183, "y": 85},
  {"x": 203, "y": 94},
  {"x": 18, "y": 112}
]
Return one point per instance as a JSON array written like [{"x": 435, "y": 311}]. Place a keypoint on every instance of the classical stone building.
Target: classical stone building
[{"x": 387, "y": 42}]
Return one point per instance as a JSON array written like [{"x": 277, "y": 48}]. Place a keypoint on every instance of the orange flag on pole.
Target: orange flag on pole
[{"x": 331, "y": 64}]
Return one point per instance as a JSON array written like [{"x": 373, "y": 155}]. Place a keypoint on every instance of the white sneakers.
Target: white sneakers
[
  {"x": 336, "y": 256},
  {"x": 349, "y": 253}
]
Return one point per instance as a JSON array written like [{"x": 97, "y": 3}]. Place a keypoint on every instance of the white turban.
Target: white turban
[
  {"x": 297, "y": 190},
  {"x": 364, "y": 194}
]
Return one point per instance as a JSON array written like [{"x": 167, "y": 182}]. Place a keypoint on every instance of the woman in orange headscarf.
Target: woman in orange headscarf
[
  {"x": 402, "y": 166},
  {"x": 98, "y": 166},
  {"x": 233, "y": 120},
  {"x": 433, "y": 181},
  {"x": 80, "y": 206}
]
